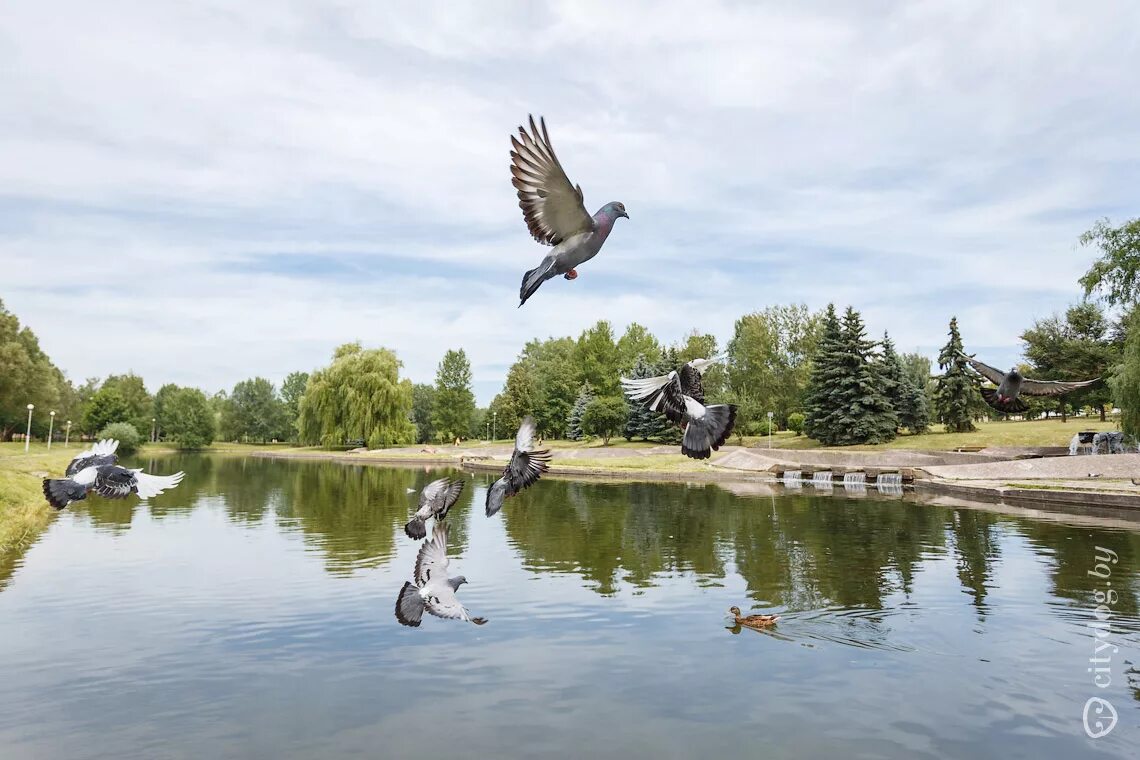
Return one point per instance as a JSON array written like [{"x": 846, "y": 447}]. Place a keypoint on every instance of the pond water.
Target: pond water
[{"x": 250, "y": 613}]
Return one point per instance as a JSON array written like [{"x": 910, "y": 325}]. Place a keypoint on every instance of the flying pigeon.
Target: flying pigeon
[
  {"x": 681, "y": 398},
  {"x": 433, "y": 590},
  {"x": 526, "y": 466},
  {"x": 436, "y": 499},
  {"x": 1010, "y": 385},
  {"x": 96, "y": 470},
  {"x": 553, "y": 210}
]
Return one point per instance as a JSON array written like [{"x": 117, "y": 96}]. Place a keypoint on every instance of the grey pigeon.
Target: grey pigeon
[
  {"x": 554, "y": 211},
  {"x": 433, "y": 590},
  {"x": 436, "y": 499},
  {"x": 681, "y": 398},
  {"x": 96, "y": 470},
  {"x": 526, "y": 466},
  {"x": 1010, "y": 385}
]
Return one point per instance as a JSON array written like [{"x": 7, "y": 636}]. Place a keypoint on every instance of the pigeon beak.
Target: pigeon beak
[{"x": 625, "y": 215}]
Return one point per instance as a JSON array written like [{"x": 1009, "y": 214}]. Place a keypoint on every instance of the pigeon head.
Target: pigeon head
[
  {"x": 1014, "y": 374},
  {"x": 459, "y": 580},
  {"x": 615, "y": 209},
  {"x": 700, "y": 365}
]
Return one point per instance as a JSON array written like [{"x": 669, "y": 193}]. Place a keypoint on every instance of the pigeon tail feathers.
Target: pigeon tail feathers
[
  {"x": 1009, "y": 406},
  {"x": 496, "y": 495},
  {"x": 534, "y": 278},
  {"x": 60, "y": 492},
  {"x": 709, "y": 432},
  {"x": 409, "y": 606},
  {"x": 415, "y": 528}
]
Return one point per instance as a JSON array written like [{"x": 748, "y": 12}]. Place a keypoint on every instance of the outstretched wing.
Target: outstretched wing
[
  {"x": 432, "y": 492},
  {"x": 527, "y": 464},
  {"x": 102, "y": 452},
  {"x": 661, "y": 394},
  {"x": 442, "y": 602},
  {"x": 993, "y": 374},
  {"x": 431, "y": 562},
  {"x": 1053, "y": 387},
  {"x": 552, "y": 206}
]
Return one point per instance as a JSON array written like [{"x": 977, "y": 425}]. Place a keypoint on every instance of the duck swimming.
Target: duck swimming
[{"x": 753, "y": 621}]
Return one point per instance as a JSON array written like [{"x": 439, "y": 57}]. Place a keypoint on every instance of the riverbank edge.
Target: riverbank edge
[{"x": 1038, "y": 496}]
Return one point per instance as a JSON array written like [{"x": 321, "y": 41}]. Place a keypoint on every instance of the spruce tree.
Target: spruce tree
[
  {"x": 574, "y": 422},
  {"x": 641, "y": 422},
  {"x": 818, "y": 403},
  {"x": 955, "y": 397},
  {"x": 862, "y": 413}
]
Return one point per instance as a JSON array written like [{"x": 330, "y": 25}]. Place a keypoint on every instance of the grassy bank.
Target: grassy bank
[{"x": 23, "y": 512}]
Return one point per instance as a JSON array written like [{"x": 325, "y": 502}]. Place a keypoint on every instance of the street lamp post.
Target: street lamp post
[
  {"x": 770, "y": 415},
  {"x": 67, "y": 434},
  {"x": 51, "y": 426},
  {"x": 494, "y": 424},
  {"x": 153, "y": 429},
  {"x": 28, "y": 435}
]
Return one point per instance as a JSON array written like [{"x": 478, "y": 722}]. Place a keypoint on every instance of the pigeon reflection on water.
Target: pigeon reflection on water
[{"x": 433, "y": 591}]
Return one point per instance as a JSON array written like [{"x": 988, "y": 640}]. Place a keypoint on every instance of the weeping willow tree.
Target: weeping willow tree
[{"x": 359, "y": 396}]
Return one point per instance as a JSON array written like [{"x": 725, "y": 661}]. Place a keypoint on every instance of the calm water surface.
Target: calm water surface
[{"x": 249, "y": 613}]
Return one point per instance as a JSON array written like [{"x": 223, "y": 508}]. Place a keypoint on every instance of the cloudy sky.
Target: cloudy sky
[{"x": 203, "y": 192}]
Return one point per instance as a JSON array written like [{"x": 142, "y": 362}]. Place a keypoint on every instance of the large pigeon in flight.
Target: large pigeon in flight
[
  {"x": 553, "y": 209},
  {"x": 1011, "y": 385},
  {"x": 526, "y": 466},
  {"x": 681, "y": 398},
  {"x": 433, "y": 590},
  {"x": 96, "y": 470}
]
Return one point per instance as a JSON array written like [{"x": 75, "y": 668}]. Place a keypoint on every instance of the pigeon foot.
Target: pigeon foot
[{"x": 571, "y": 275}]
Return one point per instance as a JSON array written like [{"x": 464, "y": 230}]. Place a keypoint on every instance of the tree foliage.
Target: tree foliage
[
  {"x": 574, "y": 428},
  {"x": 604, "y": 416},
  {"x": 125, "y": 433},
  {"x": 292, "y": 389},
  {"x": 27, "y": 376},
  {"x": 187, "y": 418},
  {"x": 1125, "y": 379},
  {"x": 819, "y": 402},
  {"x": 906, "y": 395},
  {"x": 359, "y": 396},
  {"x": 140, "y": 405},
  {"x": 769, "y": 361},
  {"x": 642, "y": 422},
  {"x": 254, "y": 412},
  {"x": 863, "y": 413},
  {"x": 1117, "y": 272},
  {"x": 1079, "y": 346},
  {"x": 957, "y": 394},
  {"x": 637, "y": 342},
  {"x": 423, "y": 401},
  {"x": 454, "y": 402},
  {"x": 596, "y": 359},
  {"x": 107, "y": 406}
]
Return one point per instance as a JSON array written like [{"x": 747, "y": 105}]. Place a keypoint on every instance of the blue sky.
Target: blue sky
[{"x": 235, "y": 189}]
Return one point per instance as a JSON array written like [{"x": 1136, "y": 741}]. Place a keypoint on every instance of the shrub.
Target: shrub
[
  {"x": 125, "y": 433},
  {"x": 796, "y": 423}
]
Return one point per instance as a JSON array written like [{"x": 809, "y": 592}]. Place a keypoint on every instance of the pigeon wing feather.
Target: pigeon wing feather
[{"x": 552, "y": 206}]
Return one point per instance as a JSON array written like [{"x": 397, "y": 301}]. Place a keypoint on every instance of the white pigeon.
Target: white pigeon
[{"x": 433, "y": 590}]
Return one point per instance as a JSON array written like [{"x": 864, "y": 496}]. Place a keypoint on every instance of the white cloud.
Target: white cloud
[{"x": 917, "y": 161}]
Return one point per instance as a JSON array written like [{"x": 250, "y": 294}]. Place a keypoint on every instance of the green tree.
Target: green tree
[
  {"x": 641, "y": 422},
  {"x": 556, "y": 381},
  {"x": 125, "y": 433},
  {"x": 1117, "y": 272},
  {"x": 107, "y": 406},
  {"x": 604, "y": 416},
  {"x": 161, "y": 405},
  {"x": 254, "y": 412},
  {"x": 635, "y": 343},
  {"x": 1125, "y": 380},
  {"x": 139, "y": 403},
  {"x": 187, "y": 418},
  {"x": 862, "y": 413},
  {"x": 27, "y": 376},
  {"x": 1077, "y": 347},
  {"x": 292, "y": 389},
  {"x": 454, "y": 402},
  {"x": 905, "y": 394},
  {"x": 596, "y": 359},
  {"x": 359, "y": 395},
  {"x": 423, "y": 402},
  {"x": 574, "y": 428},
  {"x": 957, "y": 394},
  {"x": 769, "y": 361},
  {"x": 819, "y": 403},
  {"x": 518, "y": 399}
]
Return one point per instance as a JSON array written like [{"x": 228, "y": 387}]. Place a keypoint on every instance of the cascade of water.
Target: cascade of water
[
  {"x": 855, "y": 479},
  {"x": 793, "y": 476},
  {"x": 889, "y": 480},
  {"x": 1074, "y": 445},
  {"x": 888, "y": 489},
  {"x": 1096, "y": 443},
  {"x": 821, "y": 479}
]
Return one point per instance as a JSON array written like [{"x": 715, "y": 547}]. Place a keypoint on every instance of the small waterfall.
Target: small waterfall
[
  {"x": 793, "y": 478},
  {"x": 855, "y": 480},
  {"x": 821, "y": 479},
  {"x": 889, "y": 480},
  {"x": 887, "y": 489},
  {"x": 1096, "y": 443},
  {"x": 1074, "y": 445}
]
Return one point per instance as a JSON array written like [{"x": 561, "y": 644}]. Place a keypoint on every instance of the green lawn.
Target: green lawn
[{"x": 24, "y": 512}]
